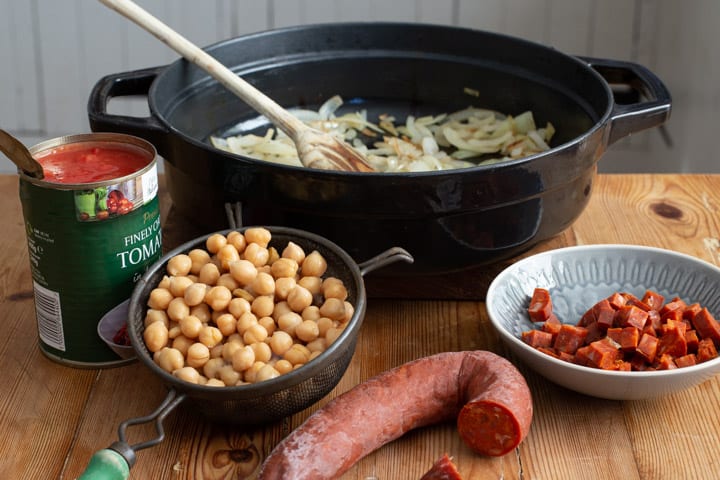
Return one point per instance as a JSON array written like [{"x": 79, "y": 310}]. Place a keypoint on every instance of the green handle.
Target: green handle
[{"x": 106, "y": 464}]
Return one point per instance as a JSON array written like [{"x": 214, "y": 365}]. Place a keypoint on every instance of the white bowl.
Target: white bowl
[{"x": 578, "y": 277}]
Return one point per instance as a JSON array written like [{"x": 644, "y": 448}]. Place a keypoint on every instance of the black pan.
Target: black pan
[{"x": 448, "y": 220}]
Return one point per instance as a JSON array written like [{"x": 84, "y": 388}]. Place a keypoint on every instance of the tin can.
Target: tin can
[{"x": 89, "y": 242}]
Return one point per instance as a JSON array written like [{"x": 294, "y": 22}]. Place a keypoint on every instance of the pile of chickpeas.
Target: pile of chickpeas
[{"x": 240, "y": 312}]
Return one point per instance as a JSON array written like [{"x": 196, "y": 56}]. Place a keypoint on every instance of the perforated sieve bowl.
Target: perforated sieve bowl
[{"x": 272, "y": 399}]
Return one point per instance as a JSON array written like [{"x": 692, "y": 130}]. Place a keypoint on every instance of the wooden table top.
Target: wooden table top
[{"x": 53, "y": 417}]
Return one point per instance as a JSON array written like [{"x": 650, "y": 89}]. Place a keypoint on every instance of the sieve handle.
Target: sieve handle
[
  {"x": 387, "y": 257},
  {"x": 106, "y": 464}
]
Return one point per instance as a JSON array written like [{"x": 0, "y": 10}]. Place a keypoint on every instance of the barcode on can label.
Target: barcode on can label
[{"x": 49, "y": 317}]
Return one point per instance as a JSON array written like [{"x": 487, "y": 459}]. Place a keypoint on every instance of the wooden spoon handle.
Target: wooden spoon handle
[{"x": 261, "y": 103}]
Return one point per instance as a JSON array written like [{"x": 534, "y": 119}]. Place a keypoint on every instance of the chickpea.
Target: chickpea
[
  {"x": 333, "y": 308},
  {"x": 256, "y": 254},
  {"x": 269, "y": 324},
  {"x": 283, "y": 366},
  {"x": 216, "y": 351},
  {"x": 334, "y": 288},
  {"x": 215, "y": 242},
  {"x": 251, "y": 373},
  {"x": 349, "y": 311},
  {"x": 235, "y": 338},
  {"x": 324, "y": 324},
  {"x": 262, "y": 351},
  {"x": 179, "y": 265},
  {"x": 178, "y": 285},
  {"x": 226, "y": 323},
  {"x": 218, "y": 297},
  {"x": 317, "y": 345},
  {"x": 201, "y": 311},
  {"x": 273, "y": 256},
  {"x": 314, "y": 355},
  {"x": 280, "y": 309},
  {"x": 174, "y": 330},
  {"x": 265, "y": 373},
  {"x": 264, "y": 284},
  {"x": 226, "y": 280},
  {"x": 289, "y": 322},
  {"x": 197, "y": 355},
  {"x": 153, "y": 315},
  {"x": 156, "y": 336},
  {"x": 314, "y": 265},
  {"x": 299, "y": 298},
  {"x": 280, "y": 342},
  {"x": 195, "y": 294},
  {"x": 294, "y": 252},
  {"x": 297, "y": 354},
  {"x": 170, "y": 359},
  {"x": 229, "y": 375},
  {"x": 210, "y": 336},
  {"x": 164, "y": 283},
  {"x": 284, "y": 267},
  {"x": 211, "y": 369},
  {"x": 182, "y": 343},
  {"x": 245, "y": 321},
  {"x": 243, "y": 271},
  {"x": 188, "y": 374},
  {"x": 209, "y": 274},
  {"x": 312, "y": 284},
  {"x": 311, "y": 313},
  {"x": 332, "y": 334},
  {"x": 242, "y": 293},
  {"x": 160, "y": 298},
  {"x": 237, "y": 240},
  {"x": 243, "y": 358},
  {"x": 283, "y": 285},
  {"x": 307, "y": 331},
  {"x": 177, "y": 309},
  {"x": 265, "y": 269},
  {"x": 229, "y": 349},
  {"x": 215, "y": 382},
  {"x": 258, "y": 235},
  {"x": 190, "y": 326},
  {"x": 255, "y": 333},
  {"x": 226, "y": 255},
  {"x": 238, "y": 306},
  {"x": 199, "y": 258},
  {"x": 263, "y": 306}
]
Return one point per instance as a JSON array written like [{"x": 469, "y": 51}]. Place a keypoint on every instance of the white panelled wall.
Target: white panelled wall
[{"x": 53, "y": 52}]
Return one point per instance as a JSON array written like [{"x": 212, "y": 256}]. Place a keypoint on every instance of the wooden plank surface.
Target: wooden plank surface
[{"x": 52, "y": 417}]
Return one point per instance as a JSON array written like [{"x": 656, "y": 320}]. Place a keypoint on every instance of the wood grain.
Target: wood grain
[{"x": 52, "y": 417}]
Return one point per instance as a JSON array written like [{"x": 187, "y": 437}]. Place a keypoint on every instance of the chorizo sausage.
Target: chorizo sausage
[
  {"x": 485, "y": 392},
  {"x": 442, "y": 469}
]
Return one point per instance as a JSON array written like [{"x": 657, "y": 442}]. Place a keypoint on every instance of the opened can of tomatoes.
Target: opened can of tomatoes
[{"x": 93, "y": 228}]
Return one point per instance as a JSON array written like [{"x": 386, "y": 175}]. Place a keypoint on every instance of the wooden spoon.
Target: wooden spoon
[
  {"x": 316, "y": 149},
  {"x": 20, "y": 155}
]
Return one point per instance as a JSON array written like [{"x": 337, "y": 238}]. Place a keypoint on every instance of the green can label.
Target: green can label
[{"x": 87, "y": 248}]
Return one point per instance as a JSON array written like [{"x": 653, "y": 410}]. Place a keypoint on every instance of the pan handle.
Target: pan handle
[
  {"x": 385, "y": 258},
  {"x": 134, "y": 83},
  {"x": 114, "y": 462},
  {"x": 652, "y": 110}
]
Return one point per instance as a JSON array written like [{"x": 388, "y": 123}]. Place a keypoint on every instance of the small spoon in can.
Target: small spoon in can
[{"x": 20, "y": 155}]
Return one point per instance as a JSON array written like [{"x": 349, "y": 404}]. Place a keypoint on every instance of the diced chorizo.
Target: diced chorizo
[
  {"x": 653, "y": 300},
  {"x": 635, "y": 301},
  {"x": 707, "y": 326},
  {"x": 666, "y": 362},
  {"x": 604, "y": 314},
  {"x": 570, "y": 338},
  {"x": 675, "y": 304},
  {"x": 442, "y": 469},
  {"x": 686, "y": 360},
  {"x": 614, "y": 334},
  {"x": 691, "y": 310},
  {"x": 706, "y": 350},
  {"x": 647, "y": 348},
  {"x": 552, "y": 325},
  {"x": 616, "y": 300},
  {"x": 654, "y": 319},
  {"x": 692, "y": 340},
  {"x": 631, "y": 316},
  {"x": 540, "y": 305},
  {"x": 672, "y": 341},
  {"x": 603, "y": 354},
  {"x": 537, "y": 338},
  {"x": 629, "y": 339}
]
